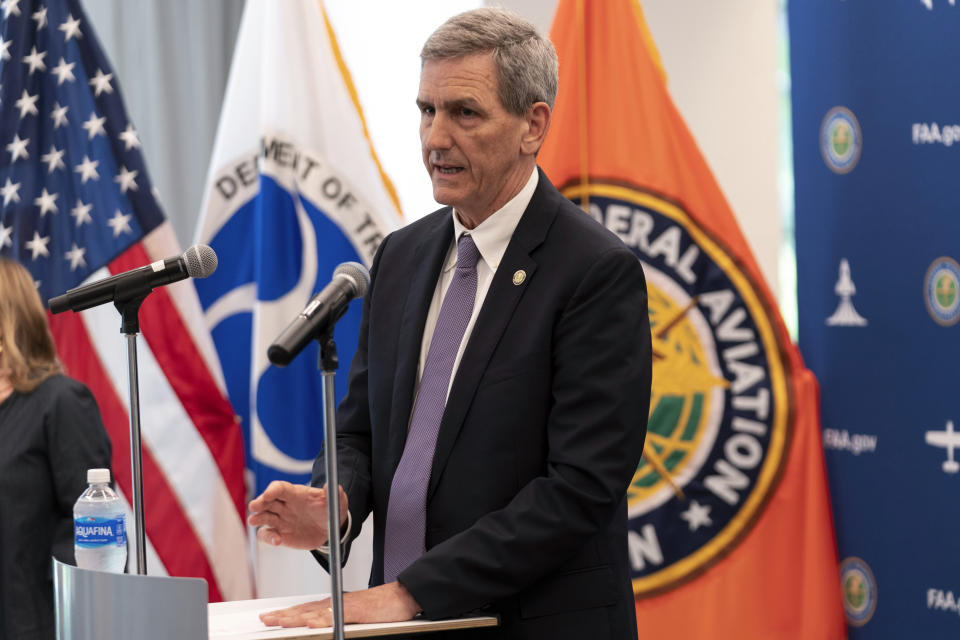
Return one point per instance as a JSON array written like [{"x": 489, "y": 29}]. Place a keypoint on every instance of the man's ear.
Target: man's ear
[{"x": 537, "y": 120}]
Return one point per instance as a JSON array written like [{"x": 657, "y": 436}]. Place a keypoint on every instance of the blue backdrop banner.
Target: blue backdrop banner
[{"x": 876, "y": 129}]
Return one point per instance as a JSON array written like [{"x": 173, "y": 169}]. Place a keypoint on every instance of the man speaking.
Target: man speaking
[{"x": 497, "y": 403}]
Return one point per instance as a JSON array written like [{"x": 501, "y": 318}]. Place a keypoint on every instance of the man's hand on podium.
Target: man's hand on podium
[
  {"x": 390, "y": 602},
  {"x": 293, "y": 515}
]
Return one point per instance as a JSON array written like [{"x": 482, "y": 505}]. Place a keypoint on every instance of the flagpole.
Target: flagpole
[{"x": 582, "y": 97}]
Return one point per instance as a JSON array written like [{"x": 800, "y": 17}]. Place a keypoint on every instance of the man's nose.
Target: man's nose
[{"x": 436, "y": 135}]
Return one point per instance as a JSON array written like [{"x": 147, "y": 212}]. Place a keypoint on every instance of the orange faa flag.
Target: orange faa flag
[{"x": 731, "y": 533}]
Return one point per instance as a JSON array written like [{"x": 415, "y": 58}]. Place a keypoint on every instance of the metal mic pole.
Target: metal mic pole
[
  {"x": 130, "y": 326},
  {"x": 328, "y": 365}
]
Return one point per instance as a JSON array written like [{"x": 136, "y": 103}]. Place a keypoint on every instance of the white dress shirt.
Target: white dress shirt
[{"x": 491, "y": 237}]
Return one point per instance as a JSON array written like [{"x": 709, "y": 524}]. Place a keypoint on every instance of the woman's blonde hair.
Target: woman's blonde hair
[{"x": 27, "y": 354}]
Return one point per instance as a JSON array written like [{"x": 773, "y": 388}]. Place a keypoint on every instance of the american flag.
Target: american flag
[{"x": 76, "y": 204}]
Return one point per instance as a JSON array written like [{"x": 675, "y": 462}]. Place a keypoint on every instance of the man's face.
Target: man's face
[{"x": 471, "y": 144}]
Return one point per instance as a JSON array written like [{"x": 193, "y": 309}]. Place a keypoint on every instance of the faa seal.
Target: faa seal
[
  {"x": 859, "y": 591},
  {"x": 941, "y": 291},
  {"x": 840, "y": 140},
  {"x": 720, "y": 409}
]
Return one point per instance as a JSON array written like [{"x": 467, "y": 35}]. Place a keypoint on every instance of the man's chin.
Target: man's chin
[{"x": 444, "y": 196}]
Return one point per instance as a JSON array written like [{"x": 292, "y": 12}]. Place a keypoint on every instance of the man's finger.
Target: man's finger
[
  {"x": 272, "y": 618},
  {"x": 276, "y": 490},
  {"x": 291, "y": 621},
  {"x": 269, "y": 535},
  {"x": 319, "y": 622},
  {"x": 277, "y": 507},
  {"x": 311, "y": 614},
  {"x": 306, "y": 610},
  {"x": 313, "y": 608},
  {"x": 269, "y": 618},
  {"x": 255, "y": 519},
  {"x": 314, "y": 614},
  {"x": 268, "y": 519},
  {"x": 262, "y": 502}
]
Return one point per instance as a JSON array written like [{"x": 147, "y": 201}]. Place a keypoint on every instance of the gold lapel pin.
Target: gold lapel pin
[{"x": 519, "y": 276}]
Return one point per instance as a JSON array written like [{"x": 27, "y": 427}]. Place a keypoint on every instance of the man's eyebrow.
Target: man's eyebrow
[
  {"x": 452, "y": 105},
  {"x": 461, "y": 103}
]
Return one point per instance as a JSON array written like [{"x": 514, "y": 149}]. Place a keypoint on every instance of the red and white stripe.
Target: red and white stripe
[{"x": 193, "y": 490}]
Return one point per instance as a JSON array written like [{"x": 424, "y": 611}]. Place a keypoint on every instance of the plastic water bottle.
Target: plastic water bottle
[{"x": 99, "y": 526}]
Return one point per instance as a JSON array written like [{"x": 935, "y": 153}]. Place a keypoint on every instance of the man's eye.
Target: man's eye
[
  {"x": 467, "y": 112},
  {"x": 427, "y": 110}
]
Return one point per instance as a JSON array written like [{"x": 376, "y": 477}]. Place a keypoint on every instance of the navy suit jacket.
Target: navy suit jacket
[{"x": 542, "y": 431}]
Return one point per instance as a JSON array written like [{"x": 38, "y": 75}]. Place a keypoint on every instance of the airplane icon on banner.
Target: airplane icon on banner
[{"x": 949, "y": 440}]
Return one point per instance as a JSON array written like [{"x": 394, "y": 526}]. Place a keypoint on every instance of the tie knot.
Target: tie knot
[{"x": 467, "y": 253}]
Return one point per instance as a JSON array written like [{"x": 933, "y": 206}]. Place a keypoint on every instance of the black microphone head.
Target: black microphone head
[
  {"x": 59, "y": 304},
  {"x": 357, "y": 274},
  {"x": 201, "y": 261}
]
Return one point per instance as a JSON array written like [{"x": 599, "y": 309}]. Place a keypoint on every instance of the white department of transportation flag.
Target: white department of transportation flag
[{"x": 294, "y": 189}]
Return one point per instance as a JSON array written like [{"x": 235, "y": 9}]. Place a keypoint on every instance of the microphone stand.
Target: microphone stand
[
  {"x": 129, "y": 308},
  {"x": 327, "y": 363}
]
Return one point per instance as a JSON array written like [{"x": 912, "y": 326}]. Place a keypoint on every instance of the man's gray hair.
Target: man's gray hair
[{"x": 526, "y": 62}]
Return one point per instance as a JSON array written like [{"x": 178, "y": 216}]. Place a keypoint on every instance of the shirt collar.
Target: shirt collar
[{"x": 493, "y": 234}]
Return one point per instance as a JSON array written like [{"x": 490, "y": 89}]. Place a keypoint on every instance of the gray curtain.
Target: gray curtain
[{"x": 171, "y": 58}]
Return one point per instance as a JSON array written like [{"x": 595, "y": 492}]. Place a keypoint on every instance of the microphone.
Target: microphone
[
  {"x": 199, "y": 261},
  {"x": 350, "y": 280}
]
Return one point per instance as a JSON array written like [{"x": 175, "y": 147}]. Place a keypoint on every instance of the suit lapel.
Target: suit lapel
[
  {"x": 495, "y": 314},
  {"x": 429, "y": 254}
]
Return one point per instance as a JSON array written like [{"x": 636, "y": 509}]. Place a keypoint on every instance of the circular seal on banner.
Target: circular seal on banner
[
  {"x": 721, "y": 407},
  {"x": 941, "y": 291},
  {"x": 840, "y": 140},
  {"x": 859, "y": 591}
]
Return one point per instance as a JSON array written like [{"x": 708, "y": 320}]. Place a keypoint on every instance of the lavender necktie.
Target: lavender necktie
[{"x": 406, "y": 510}]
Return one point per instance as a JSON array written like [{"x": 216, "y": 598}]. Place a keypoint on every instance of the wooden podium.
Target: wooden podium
[{"x": 239, "y": 621}]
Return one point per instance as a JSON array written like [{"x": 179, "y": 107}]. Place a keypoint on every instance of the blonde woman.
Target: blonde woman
[{"x": 50, "y": 434}]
